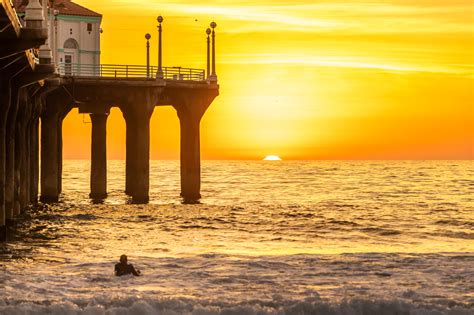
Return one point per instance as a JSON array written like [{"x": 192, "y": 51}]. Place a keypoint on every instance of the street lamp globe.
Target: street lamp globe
[
  {"x": 208, "y": 31},
  {"x": 160, "y": 19},
  {"x": 213, "y": 25},
  {"x": 147, "y": 36}
]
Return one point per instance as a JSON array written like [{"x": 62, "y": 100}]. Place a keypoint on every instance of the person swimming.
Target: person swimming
[{"x": 123, "y": 268}]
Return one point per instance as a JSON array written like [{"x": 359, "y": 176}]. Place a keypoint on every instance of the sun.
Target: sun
[{"x": 272, "y": 158}]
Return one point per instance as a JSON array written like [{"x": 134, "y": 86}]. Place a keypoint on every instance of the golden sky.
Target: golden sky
[{"x": 329, "y": 79}]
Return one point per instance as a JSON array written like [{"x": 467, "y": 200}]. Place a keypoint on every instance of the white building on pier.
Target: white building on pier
[{"x": 74, "y": 34}]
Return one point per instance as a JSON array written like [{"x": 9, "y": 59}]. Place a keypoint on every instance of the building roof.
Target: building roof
[{"x": 65, "y": 7}]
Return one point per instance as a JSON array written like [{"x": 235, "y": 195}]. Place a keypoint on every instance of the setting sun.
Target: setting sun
[{"x": 272, "y": 158}]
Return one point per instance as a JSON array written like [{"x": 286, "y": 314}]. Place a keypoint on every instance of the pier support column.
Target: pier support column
[
  {"x": 99, "y": 156},
  {"x": 21, "y": 154},
  {"x": 49, "y": 158},
  {"x": 57, "y": 105},
  {"x": 138, "y": 152},
  {"x": 34, "y": 159},
  {"x": 10, "y": 155},
  {"x": 5, "y": 87},
  {"x": 59, "y": 152},
  {"x": 129, "y": 152},
  {"x": 190, "y": 112},
  {"x": 31, "y": 143},
  {"x": 190, "y": 156}
]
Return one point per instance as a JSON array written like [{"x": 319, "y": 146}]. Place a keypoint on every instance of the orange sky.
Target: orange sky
[{"x": 330, "y": 79}]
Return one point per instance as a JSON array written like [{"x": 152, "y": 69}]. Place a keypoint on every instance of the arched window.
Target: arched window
[
  {"x": 71, "y": 43},
  {"x": 71, "y": 56}
]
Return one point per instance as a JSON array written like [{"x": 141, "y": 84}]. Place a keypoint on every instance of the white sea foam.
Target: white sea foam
[{"x": 134, "y": 306}]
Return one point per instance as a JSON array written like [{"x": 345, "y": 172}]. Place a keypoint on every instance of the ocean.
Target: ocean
[{"x": 289, "y": 237}]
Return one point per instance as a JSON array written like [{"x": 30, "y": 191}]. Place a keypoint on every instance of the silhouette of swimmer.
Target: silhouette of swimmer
[{"x": 123, "y": 268}]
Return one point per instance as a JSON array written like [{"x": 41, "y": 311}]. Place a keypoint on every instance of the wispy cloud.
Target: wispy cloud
[
  {"x": 360, "y": 16},
  {"x": 344, "y": 62}
]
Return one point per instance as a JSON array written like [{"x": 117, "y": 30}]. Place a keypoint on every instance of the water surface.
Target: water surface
[{"x": 269, "y": 238}]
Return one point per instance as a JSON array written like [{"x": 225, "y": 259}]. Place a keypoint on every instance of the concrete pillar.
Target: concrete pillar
[
  {"x": 10, "y": 154},
  {"x": 57, "y": 105},
  {"x": 138, "y": 152},
  {"x": 22, "y": 154},
  {"x": 59, "y": 150},
  {"x": 4, "y": 108},
  {"x": 29, "y": 144},
  {"x": 34, "y": 160},
  {"x": 99, "y": 156},
  {"x": 190, "y": 155},
  {"x": 19, "y": 175},
  {"x": 190, "y": 109},
  {"x": 19, "y": 157},
  {"x": 130, "y": 149},
  {"x": 49, "y": 157}
]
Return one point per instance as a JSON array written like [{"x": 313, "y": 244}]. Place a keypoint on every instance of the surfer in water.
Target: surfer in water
[{"x": 123, "y": 268}]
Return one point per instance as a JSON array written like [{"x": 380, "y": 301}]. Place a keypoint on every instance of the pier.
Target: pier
[{"x": 36, "y": 91}]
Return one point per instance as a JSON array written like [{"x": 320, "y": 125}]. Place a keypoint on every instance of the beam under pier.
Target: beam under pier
[{"x": 99, "y": 156}]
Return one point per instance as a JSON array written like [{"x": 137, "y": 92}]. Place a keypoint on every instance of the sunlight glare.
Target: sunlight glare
[{"x": 272, "y": 158}]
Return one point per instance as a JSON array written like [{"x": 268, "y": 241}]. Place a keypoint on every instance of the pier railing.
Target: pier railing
[{"x": 129, "y": 71}]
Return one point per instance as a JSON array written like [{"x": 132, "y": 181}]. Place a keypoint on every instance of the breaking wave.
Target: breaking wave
[{"x": 276, "y": 306}]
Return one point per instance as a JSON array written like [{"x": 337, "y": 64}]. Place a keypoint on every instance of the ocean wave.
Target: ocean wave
[{"x": 186, "y": 306}]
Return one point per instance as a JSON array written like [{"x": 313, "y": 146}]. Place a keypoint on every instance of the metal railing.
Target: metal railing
[{"x": 129, "y": 71}]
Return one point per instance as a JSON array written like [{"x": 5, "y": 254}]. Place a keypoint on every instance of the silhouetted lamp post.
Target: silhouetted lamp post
[
  {"x": 147, "y": 36},
  {"x": 213, "y": 76},
  {"x": 208, "y": 32},
  {"x": 159, "y": 74}
]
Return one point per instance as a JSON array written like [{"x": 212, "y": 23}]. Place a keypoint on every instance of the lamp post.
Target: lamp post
[
  {"x": 147, "y": 36},
  {"x": 159, "y": 74},
  {"x": 208, "y": 32},
  {"x": 213, "y": 76}
]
